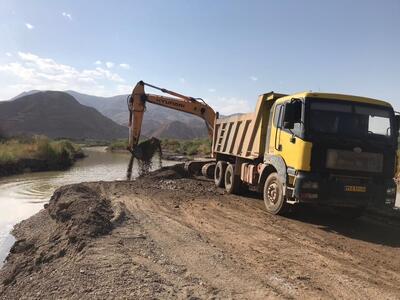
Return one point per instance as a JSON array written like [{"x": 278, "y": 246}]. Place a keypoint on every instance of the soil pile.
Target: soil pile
[
  {"x": 89, "y": 217},
  {"x": 74, "y": 215}
]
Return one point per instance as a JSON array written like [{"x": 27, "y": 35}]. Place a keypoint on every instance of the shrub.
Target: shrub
[
  {"x": 43, "y": 149},
  {"x": 56, "y": 154},
  {"x": 118, "y": 145}
]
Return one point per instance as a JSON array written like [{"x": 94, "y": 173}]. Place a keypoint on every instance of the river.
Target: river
[{"x": 23, "y": 195}]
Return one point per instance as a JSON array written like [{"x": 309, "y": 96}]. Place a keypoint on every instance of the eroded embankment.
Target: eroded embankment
[{"x": 169, "y": 236}]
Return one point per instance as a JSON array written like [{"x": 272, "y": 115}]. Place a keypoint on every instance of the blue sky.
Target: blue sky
[{"x": 226, "y": 52}]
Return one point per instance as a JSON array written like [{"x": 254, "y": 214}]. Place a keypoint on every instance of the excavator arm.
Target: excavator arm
[{"x": 137, "y": 106}]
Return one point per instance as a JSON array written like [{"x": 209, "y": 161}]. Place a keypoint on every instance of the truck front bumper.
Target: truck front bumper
[{"x": 343, "y": 191}]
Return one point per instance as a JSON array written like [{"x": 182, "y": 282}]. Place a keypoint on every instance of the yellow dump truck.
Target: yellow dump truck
[{"x": 331, "y": 149}]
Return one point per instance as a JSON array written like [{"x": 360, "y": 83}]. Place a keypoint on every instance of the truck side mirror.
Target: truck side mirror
[
  {"x": 397, "y": 121},
  {"x": 288, "y": 125}
]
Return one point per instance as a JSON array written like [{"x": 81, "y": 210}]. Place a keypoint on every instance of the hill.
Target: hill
[
  {"x": 56, "y": 115},
  {"x": 156, "y": 120},
  {"x": 173, "y": 129}
]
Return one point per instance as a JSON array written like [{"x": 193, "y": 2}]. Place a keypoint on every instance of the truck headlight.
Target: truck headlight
[
  {"x": 310, "y": 185},
  {"x": 391, "y": 191},
  {"x": 390, "y": 201}
]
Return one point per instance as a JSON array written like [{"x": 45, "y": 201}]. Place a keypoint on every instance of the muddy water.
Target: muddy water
[{"x": 23, "y": 195}]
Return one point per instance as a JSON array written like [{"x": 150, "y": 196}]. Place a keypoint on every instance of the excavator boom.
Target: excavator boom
[{"x": 137, "y": 106}]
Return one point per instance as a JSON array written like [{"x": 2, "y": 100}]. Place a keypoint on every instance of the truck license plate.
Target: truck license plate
[{"x": 355, "y": 188}]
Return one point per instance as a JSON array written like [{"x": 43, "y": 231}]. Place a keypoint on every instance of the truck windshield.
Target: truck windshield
[{"x": 350, "y": 119}]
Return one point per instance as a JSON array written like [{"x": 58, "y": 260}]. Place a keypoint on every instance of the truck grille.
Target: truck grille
[{"x": 352, "y": 161}]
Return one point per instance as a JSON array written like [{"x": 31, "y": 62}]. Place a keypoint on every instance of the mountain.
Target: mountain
[
  {"x": 25, "y": 94},
  {"x": 155, "y": 118},
  {"x": 56, "y": 115},
  {"x": 173, "y": 129}
]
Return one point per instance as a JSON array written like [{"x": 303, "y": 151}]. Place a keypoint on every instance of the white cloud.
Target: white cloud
[
  {"x": 8, "y": 54},
  {"x": 230, "y": 105},
  {"x": 254, "y": 78},
  {"x": 124, "y": 89},
  {"x": 98, "y": 62},
  {"x": 29, "y": 26},
  {"x": 66, "y": 15},
  {"x": 211, "y": 90},
  {"x": 30, "y": 71},
  {"x": 109, "y": 64},
  {"x": 182, "y": 80},
  {"x": 125, "y": 66}
]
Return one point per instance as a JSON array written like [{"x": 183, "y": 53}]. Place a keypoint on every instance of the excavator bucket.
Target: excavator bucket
[
  {"x": 147, "y": 149},
  {"x": 144, "y": 153}
]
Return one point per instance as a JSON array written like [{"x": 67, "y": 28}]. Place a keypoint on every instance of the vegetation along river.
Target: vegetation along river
[{"x": 23, "y": 195}]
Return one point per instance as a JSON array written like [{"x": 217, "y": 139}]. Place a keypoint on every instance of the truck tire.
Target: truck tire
[
  {"x": 208, "y": 170},
  {"x": 232, "y": 181},
  {"x": 219, "y": 173},
  {"x": 274, "y": 200}
]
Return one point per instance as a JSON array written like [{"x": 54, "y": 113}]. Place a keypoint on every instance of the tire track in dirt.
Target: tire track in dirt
[{"x": 338, "y": 260}]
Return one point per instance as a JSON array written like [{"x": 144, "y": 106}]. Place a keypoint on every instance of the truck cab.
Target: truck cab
[{"x": 338, "y": 150}]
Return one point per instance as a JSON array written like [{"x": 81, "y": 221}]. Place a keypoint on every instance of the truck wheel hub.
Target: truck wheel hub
[{"x": 272, "y": 193}]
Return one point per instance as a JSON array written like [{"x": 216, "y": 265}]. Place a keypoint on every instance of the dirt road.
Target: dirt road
[{"x": 166, "y": 236}]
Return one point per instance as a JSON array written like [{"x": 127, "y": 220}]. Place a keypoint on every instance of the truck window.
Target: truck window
[
  {"x": 355, "y": 120},
  {"x": 297, "y": 130}
]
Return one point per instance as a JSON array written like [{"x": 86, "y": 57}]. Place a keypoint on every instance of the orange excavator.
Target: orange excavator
[{"x": 137, "y": 107}]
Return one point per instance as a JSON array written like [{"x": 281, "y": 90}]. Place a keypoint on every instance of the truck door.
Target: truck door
[
  {"x": 274, "y": 130},
  {"x": 293, "y": 149}
]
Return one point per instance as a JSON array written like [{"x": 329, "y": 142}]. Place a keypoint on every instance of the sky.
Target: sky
[{"x": 226, "y": 52}]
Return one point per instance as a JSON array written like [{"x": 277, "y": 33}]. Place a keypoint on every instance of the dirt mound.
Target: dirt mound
[
  {"x": 171, "y": 172},
  {"x": 74, "y": 215},
  {"x": 89, "y": 217}
]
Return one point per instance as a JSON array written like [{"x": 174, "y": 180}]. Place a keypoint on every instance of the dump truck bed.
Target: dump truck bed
[{"x": 244, "y": 135}]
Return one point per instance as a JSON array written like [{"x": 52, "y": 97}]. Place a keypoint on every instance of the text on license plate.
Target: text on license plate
[{"x": 355, "y": 188}]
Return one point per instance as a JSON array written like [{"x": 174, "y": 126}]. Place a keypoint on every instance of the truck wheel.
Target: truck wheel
[
  {"x": 273, "y": 195},
  {"x": 219, "y": 173},
  {"x": 232, "y": 182},
  {"x": 208, "y": 170}
]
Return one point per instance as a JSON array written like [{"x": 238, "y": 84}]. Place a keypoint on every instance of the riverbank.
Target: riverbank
[
  {"x": 172, "y": 149},
  {"x": 169, "y": 236},
  {"x": 36, "y": 154}
]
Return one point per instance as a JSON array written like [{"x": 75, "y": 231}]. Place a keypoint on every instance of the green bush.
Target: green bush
[
  {"x": 43, "y": 149},
  {"x": 118, "y": 145},
  {"x": 187, "y": 147},
  {"x": 183, "y": 147},
  {"x": 56, "y": 153}
]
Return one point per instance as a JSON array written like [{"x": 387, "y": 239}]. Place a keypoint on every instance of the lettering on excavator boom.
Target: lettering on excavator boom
[{"x": 169, "y": 103}]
